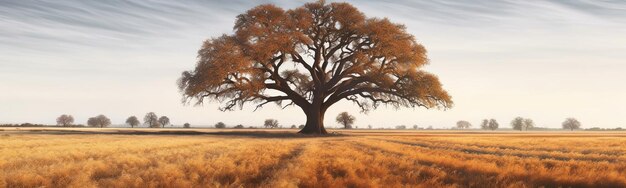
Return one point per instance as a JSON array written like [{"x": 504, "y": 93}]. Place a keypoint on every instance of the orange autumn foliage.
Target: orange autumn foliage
[{"x": 313, "y": 57}]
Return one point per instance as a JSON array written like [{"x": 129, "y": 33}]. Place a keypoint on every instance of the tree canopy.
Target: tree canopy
[{"x": 313, "y": 57}]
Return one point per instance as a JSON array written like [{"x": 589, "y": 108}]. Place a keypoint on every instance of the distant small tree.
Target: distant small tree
[
  {"x": 187, "y": 125},
  {"x": 493, "y": 124},
  {"x": 220, "y": 125},
  {"x": 65, "y": 120},
  {"x": 132, "y": 121},
  {"x": 270, "y": 123},
  {"x": 571, "y": 124},
  {"x": 401, "y": 127},
  {"x": 529, "y": 124},
  {"x": 485, "y": 124},
  {"x": 164, "y": 120},
  {"x": 240, "y": 126},
  {"x": 520, "y": 124},
  {"x": 517, "y": 123},
  {"x": 430, "y": 127},
  {"x": 300, "y": 126},
  {"x": 415, "y": 127},
  {"x": 99, "y": 121},
  {"x": 294, "y": 127},
  {"x": 463, "y": 124},
  {"x": 346, "y": 120},
  {"x": 369, "y": 126},
  {"x": 151, "y": 119},
  {"x": 92, "y": 122}
]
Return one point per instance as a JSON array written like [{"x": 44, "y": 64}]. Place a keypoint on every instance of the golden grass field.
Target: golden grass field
[{"x": 369, "y": 158}]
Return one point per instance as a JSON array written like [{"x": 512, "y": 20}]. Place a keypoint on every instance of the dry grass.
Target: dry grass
[{"x": 202, "y": 158}]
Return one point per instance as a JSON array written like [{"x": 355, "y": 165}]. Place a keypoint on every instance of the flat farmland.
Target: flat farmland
[{"x": 110, "y": 157}]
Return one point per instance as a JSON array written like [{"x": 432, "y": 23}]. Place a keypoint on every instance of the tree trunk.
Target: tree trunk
[{"x": 314, "y": 121}]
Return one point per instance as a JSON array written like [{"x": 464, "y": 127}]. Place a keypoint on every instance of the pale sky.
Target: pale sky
[{"x": 545, "y": 60}]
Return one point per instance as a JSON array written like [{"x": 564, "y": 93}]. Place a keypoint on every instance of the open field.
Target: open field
[{"x": 368, "y": 158}]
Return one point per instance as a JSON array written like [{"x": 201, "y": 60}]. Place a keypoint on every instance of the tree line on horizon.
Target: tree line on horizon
[
  {"x": 518, "y": 123},
  {"x": 150, "y": 120},
  {"x": 343, "y": 118}
]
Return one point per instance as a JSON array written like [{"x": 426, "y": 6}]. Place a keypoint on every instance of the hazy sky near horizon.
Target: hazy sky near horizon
[{"x": 545, "y": 60}]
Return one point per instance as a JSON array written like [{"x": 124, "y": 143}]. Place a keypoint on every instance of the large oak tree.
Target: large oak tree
[{"x": 313, "y": 57}]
